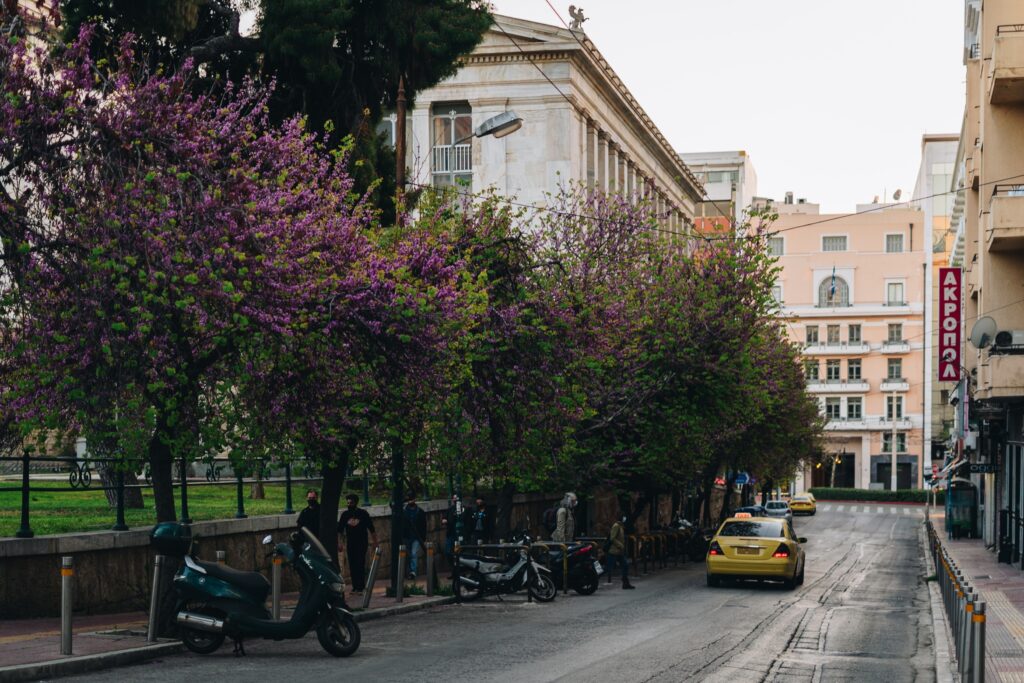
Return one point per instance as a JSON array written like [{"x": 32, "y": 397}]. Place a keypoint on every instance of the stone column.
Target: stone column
[
  {"x": 602, "y": 161},
  {"x": 623, "y": 170},
  {"x": 614, "y": 154},
  {"x": 862, "y": 473},
  {"x": 590, "y": 142},
  {"x": 631, "y": 182}
]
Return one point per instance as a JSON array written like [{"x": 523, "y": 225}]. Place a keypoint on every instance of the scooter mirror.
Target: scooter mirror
[{"x": 268, "y": 539}]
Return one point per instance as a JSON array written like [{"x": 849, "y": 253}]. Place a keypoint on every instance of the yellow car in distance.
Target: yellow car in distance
[
  {"x": 761, "y": 548},
  {"x": 803, "y": 504}
]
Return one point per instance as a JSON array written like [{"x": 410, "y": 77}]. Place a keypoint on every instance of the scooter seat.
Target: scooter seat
[{"x": 251, "y": 582}]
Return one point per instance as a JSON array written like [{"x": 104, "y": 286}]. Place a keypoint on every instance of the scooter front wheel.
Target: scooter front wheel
[
  {"x": 339, "y": 633},
  {"x": 543, "y": 588}
]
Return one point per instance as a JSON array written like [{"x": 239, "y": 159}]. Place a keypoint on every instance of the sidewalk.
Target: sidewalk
[
  {"x": 1002, "y": 588},
  {"x": 30, "y": 648}
]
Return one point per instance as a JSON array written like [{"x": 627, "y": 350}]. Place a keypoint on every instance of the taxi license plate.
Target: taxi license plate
[
  {"x": 748, "y": 551},
  {"x": 598, "y": 568}
]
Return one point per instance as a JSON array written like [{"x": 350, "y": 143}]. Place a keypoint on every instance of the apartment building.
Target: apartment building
[
  {"x": 730, "y": 182},
  {"x": 932, "y": 195},
  {"x": 852, "y": 295},
  {"x": 580, "y": 124},
  {"x": 989, "y": 246}
]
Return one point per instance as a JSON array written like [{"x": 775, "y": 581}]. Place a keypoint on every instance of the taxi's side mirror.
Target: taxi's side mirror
[{"x": 801, "y": 539}]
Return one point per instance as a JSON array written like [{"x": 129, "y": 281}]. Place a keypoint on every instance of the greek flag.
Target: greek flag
[{"x": 832, "y": 290}]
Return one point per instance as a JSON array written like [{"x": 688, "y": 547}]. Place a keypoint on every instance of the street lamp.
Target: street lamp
[{"x": 499, "y": 125}]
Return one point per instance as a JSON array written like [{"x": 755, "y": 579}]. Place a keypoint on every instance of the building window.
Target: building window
[
  {"x": 777, "y": 293},
  {"x": 833, "y": 292},
  {"x": 832, "y": 370},
  {"x": 832, "y": 407},
  {"x": 894, "y": 294},
  {"x": 895, "y": 333},
  {"x": 895, "y": 369},
  {"x": 811, "y": 370},
  {"x": 387, "y": 127},
  {"x": 832, "y": 333},
  {"x": 451, "y": 152},
  {"x": 812, "y": 335},
  {"x": 854, "y": 334},
  {"x": 901, "y": 442},
  {"x": 890, "y": 402},
  {"x": 833, "y": 243},
  {"x": 854, "y": 408},
  {"x": 723, "y": 176},
  {"x": 853, "y": 369},
  {"x": 776, "y": 246},
  {"x": 894, "y": 244}
]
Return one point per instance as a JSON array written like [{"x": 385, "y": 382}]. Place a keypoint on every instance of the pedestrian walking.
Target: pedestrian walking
[
  {"x": 310, "y": 515},
  {"x": 615, "y": 551},
  {"x": 450, "y": 522},
  {"x": 481, "y": 523},
  {"x": 565, "y": 524},
  {"x": 356, "y": 531},
  {"x": 414, "y": 532}
]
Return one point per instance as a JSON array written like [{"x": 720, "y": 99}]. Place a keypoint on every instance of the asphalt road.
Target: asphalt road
[{"x": 862, "y": 615}]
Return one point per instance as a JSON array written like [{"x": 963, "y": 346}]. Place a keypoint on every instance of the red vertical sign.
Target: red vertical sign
[{"x": 950, "y": 332}]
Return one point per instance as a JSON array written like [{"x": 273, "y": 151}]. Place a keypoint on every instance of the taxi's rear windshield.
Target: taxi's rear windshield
[{"x": 751, "y": 528}]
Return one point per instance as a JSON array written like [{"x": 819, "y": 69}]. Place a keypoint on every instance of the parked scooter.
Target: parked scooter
[
  {"x": 477, "y": 575},
  {"x": 215, "y": 601},
  {"x": 583, "y": 565}
]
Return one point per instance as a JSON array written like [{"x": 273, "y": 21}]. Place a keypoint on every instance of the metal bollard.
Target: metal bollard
[
  {"x": 964, "y": 664},
  {"x": 400, "y": 580},
  {"x": 154, "y": 598},
  {"x": 565, "y": 569},
  {"x": 430, "y": 569},
  {"x": 978, "y": 655},
  {"x": 372, "y": 579},
  {"x": 275, "y": 586},
  {"x": 67, "y": 577},
  {"x": 222, "y": 557}
]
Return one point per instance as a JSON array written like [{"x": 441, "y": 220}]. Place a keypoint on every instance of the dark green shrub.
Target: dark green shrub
[{"x": 898, "y": 496}]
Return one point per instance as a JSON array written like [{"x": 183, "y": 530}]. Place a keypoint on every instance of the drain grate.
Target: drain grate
[{"x": 982, "y": 576}]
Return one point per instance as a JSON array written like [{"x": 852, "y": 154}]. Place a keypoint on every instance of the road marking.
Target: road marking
[
  {"x": 840, "y": 508},
  {"x": 826, "y": 508},
  {"x": 906, "y": 511},
  {"x": 879, "y": 509}
]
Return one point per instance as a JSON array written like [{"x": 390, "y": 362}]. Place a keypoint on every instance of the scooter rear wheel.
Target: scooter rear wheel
[
  {"x": 587, "y": 584},
  {"x": 202, "y": 642},
  {"x": 339, "y": 634}
]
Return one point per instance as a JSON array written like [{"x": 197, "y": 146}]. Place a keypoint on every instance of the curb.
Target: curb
[
  {"x": 943, "y": 639},
  {"x": 85, "y": 663},
  {"x": 104, "y": 660}
]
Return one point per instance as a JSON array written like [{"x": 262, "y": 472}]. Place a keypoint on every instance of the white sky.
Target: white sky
[{"x": 829, "y": 98}]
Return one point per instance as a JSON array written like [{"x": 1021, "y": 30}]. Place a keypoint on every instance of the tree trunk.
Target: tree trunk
[
  {"x": 160, "y": 473},
  {"x": 132, "y": 496},
  {"x": 397, "y": 501},
  {"x": 503, "y": 517},
  {"x": 334, "y": 470}
]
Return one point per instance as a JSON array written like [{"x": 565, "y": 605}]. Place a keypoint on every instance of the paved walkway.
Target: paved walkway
[
  {"x": 1002, "y": 588},
  {"x": 28, "y": 644}
]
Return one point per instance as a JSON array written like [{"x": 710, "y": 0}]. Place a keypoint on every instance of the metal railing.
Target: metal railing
[
  {"x": 81, "y": 476},
  {"x": 965, "y": 611},
  {"x": 1009, "y": 28},
  {"x": 1008, "y": 190}
]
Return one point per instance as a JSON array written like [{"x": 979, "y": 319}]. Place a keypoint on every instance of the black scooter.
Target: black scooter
[{"x": 215, "y": 601}]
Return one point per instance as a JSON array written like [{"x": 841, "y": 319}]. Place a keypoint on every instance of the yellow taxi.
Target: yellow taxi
[
  {"x": 762, "y": 548},
  {"x": 803, "y": 504}
]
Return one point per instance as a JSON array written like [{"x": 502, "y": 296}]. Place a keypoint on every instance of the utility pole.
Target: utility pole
[{"x": 892, "y": 443}]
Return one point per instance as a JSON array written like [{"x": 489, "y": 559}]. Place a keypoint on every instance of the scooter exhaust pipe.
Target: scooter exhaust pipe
[
  {"x": 469, "y": 581},
  {"x": 200, "y": 622}
]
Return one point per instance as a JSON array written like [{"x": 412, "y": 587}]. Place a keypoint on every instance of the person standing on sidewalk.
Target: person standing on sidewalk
[
  {"x": 310, "y": 515},
  {"x": 616, "y": 551},
  {"x": 450, "y": 522},
  {"x": 414, "y": 531},
  {"x": 356, "y": 530},
  {"x": 565, "y": 525},
  {"x": 481, "y": 523}
]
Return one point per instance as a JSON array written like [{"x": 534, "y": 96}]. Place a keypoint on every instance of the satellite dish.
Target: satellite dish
[
  {"x": 983, "y": 332},
  {"x": 896, "y": 195}
]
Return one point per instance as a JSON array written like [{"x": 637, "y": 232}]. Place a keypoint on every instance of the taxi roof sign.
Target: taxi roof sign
[{"x": 742, "y": 515}]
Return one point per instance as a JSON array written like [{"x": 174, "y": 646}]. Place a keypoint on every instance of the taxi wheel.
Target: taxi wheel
[
  {"x": 800, "y": 579},
  {"x": 713, "y": 581},
  {"x": 792, "y": 583}
]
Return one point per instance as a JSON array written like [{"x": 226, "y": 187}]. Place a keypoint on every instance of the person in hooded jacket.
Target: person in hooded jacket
[
  {"x": 565, "y": 527},
  {"x": 616, "y": 553}
]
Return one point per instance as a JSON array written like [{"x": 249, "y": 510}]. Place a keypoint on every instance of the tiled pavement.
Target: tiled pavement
[{"x": 1002, "y": 588}]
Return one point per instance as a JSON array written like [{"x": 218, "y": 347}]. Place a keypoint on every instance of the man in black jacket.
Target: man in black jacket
[
  {"x": 356, "y": 530},
  {"x": 414, "y": 531},
  {"x": 481, "y": 523},
  {"x": 310, "y": 516}
]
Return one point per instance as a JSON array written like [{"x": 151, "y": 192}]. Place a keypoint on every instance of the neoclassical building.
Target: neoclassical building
[{"x": 580, "y": 123}]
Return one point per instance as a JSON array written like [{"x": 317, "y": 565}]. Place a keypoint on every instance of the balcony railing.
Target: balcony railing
[
  {"x": 1006, "y": 217},
  {"x": 838, "y": 386},
  {"x": 1006, "y": 85},
  {"x": 894, "y": 384},
  {"x": 836, "y": 348},
  {"x": 453, "y": 159},
  {"x": 893, "y": 302},
  {"x": 896, "y": 346}
]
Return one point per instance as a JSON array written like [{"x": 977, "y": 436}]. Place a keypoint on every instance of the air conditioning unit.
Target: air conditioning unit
[{"x": 1009, "y": 338}]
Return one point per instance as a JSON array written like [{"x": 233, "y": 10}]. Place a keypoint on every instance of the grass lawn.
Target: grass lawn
[{"x": 58, "y": 512}]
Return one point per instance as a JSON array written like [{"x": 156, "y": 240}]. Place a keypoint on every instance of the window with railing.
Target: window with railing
[
  {"x": 777, "y": 293},
  {"x": 894, "y": 244},
  {"x": 895, "y": 370},
  {"x": 895, "y": 333},
  {"x": 854, "y": 408},
  {"x": 853, "y": 370},
  {"x": 853, "y": 334},
  {"x": 901, "y": 442},
  {"x": 833, "y": 292},
  {"x": 894, "y": 294},
  {"x": 451, "y": 152},
  {"x": 832, "y": 370},
  {"x": 832, "y": 334},
  {"x": 811, "y": 370}
]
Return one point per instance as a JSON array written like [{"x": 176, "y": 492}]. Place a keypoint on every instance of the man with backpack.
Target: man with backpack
[
  {"x": 615, "y": 551},
  {"x": 565, "y": 521}
]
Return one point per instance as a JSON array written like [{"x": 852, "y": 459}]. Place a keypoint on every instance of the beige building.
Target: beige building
[
  {"x": 852, "y": 293},
  {"x": 580, "y": 124},
  {"x": 989, "y": 245}
]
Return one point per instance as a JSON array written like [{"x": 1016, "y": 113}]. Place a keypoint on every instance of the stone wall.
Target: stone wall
[{"x": 114, "y": 570}]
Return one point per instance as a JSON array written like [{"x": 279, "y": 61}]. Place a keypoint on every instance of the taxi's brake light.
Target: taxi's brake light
[
  {"x": 715, "y": 549},
  {"x": 782, "y": 551}
]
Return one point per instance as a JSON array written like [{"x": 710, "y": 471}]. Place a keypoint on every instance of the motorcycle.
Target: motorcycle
[
  {"x": 215, "y": 601},
  {"x": 477, "y": 575},
  {"x": 695, "y": 540},
  {"x": 584, "y": 569}
]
